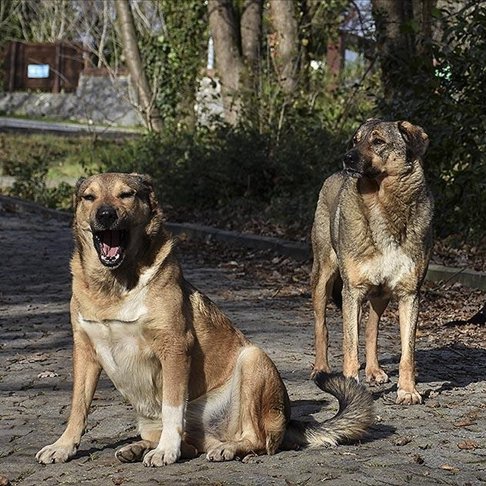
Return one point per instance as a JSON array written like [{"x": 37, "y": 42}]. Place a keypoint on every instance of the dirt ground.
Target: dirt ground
[{"x": 442, "y": 441}]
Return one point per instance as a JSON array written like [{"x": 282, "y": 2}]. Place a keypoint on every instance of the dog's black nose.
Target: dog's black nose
[
  {"x": 106, "y": 216},
  {"x": 350, "y": 158}
]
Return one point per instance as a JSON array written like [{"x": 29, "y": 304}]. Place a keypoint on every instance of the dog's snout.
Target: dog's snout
[
  {"x": 350, "y": 158},
  {"x": 106, "y": 216}
]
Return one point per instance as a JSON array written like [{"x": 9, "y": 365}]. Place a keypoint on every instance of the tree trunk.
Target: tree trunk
[
  {"x": 393, "y": 46},
  {"x": 229, "y": 63},
  {"x": 135, "y": 66},
  {"x": 404, "y": 29},
  {"x": 285, "y": 43},
  {"x": 251, "y": 33},
  {"x": 422, "y": 13}
]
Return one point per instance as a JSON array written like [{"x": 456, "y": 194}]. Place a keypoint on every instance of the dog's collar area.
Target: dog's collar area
[{"x": 110, "y": 245}]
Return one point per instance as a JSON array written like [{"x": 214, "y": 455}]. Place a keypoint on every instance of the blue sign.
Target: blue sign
[{"x": 38, "y": 71}]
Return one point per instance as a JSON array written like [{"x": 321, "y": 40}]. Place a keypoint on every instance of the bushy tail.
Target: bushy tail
[{"x": 354, "y": 417}]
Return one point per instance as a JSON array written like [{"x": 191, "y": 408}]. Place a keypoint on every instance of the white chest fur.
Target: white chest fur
[
  {"x": 391, "y": 264},
  {"x": 129, "y": 361},
  {"x": 388, "y": 268}
]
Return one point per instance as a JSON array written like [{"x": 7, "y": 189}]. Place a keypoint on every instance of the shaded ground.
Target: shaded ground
[
  {"x": 440, "y": 442},
  {"x": 246, "y": 217}
]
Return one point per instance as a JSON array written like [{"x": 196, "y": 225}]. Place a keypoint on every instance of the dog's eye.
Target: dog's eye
[
  {"x": 88, "y": 197},
  {"x": 378, "y": 141},
  {"x": 127, "y": 194}
]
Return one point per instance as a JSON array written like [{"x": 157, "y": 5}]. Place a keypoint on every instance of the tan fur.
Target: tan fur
[
  {"x": 195, "y": 382},
  {"x": 372, "y": 228}
]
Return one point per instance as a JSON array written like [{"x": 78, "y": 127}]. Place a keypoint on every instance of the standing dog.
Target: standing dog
[
  {"x": 372, "y": 236},
  {"x": 195, "y": 382}
]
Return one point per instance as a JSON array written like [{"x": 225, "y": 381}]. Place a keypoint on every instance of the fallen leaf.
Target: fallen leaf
[
  {"x": 418, "y": 459},
  {"x": 47, "y": 374},
  {"x": 464, "y": 422},
  {"x": 401, "y": 441},
  {"x": 448, "y": 467},
  {"x": 468, "y": 444},
  {"x": 4, "y": 481},
  {"x": 35, "y": 358}
]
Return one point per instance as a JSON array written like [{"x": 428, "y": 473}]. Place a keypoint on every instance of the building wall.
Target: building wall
[{"x": 97, "y": 100}]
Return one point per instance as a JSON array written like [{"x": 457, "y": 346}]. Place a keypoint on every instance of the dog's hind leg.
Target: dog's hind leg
[
  {"x": 374, "y": 373},
  {"x": 258, "y": 410},
  {"x": 150, "y": 434},
  {"x": 135, "y": 451}
]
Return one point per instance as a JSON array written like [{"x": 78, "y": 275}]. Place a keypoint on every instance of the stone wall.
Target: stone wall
[{"x": 97, "y": 100}]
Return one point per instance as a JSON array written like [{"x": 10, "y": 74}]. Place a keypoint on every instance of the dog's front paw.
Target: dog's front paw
[
  {"x": 319, "y": 369},
  {"x": 408, "y": 398},
  {"x": 161, "y": 457},
  {"x": 56, "y": 453},
  {"x": 376, "y": 376}
]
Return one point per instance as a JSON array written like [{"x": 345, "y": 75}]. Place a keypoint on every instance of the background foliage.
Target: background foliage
[
  {"x": 270, "y": 165},
  {"x": 451, "y": 106}
]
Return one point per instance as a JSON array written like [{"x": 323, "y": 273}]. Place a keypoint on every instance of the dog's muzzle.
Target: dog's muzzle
[
  {"x": 109, "y": 241},
  {"x": 351, "y": 164}
]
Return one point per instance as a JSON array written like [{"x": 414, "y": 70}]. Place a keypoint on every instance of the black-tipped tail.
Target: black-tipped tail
[{"x": 351, "y": 422}]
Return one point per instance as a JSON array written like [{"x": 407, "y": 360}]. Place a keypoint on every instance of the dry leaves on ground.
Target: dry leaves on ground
[{"x": 448, "y": 314}]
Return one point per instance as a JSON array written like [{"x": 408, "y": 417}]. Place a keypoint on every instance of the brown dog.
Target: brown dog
[
  {"x": 195, "y": 382},
  {"x": 372, "y": 235}
]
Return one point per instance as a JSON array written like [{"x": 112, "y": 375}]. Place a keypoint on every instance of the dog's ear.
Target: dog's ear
[
  {"x": 415, "y": 138},
  {"x": 358, "y": 134},
  {"x": 148, "y": 185},
  {"x": 78, "y": 183},
  {"x": 144, "y": 179},
  {"x": 77, "y": 187}
]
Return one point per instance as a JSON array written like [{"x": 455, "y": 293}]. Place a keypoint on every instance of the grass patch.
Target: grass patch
[
  {"x": 45, "y": 166},
  {"x": 65, "y": 157}
]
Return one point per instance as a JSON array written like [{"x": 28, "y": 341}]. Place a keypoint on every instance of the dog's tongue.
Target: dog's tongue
[{"x": 110, "y": 243}]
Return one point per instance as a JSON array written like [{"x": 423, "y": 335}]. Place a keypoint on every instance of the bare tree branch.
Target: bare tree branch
[{"x": 135, "y": 65}]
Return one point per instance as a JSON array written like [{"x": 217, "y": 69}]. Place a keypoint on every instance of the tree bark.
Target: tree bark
[
  {"x": 392, "y": 44},
  {"x": 229, "y": 63},
  {"x": 422, "y": 13},
  {"x": 251, "y": 33},
  {"x": 135, "y": 66},
  {"x": 284, "y": 22},
  {"x": 404, "y": 29}
]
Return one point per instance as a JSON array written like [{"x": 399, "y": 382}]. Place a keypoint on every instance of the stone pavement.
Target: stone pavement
[{"x": 439, "y": 442}]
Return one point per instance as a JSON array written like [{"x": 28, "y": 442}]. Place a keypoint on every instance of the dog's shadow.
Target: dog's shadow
[
  {"x": 105, "y": 444},
  {"x": 443, "y": 368},
  {"x": 439, "y": 369},
  {"x": 456, "y": 365},
  {"x": 84, "y": 455}
]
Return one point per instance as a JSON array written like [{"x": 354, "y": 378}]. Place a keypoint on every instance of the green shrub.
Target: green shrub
[
  {"x": 450, "y": 106},
  {"x": 31, "y": 183},
  {"x": 237, "y": 167}
]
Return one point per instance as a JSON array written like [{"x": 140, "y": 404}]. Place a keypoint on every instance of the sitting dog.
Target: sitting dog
[
  {"x": 195, "y": 382},
  {"x": 372, "y": 237}
]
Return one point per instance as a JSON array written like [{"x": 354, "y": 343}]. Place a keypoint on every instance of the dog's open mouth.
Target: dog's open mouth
[{"x": 111, "y": 246}]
